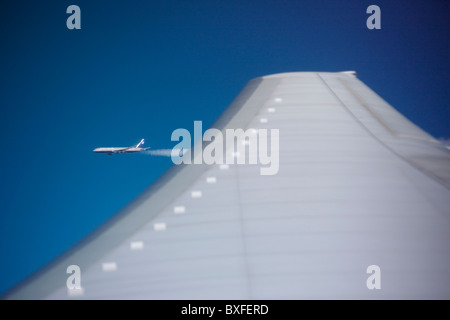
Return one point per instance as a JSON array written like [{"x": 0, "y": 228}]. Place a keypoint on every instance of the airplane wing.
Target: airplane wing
[
  {"x": 359, "y": 185},
  {"x": 121, "y": 150}
]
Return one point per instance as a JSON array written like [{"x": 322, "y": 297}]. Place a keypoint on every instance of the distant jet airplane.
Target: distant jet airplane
[{"x": 110, "y": 151}]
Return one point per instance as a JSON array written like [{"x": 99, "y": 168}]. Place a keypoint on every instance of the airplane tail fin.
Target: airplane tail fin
[{"x": 140, "y": 143}]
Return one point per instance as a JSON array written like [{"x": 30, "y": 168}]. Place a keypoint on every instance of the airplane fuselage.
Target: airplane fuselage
[
  {"x": 118, "y": 150},
  {"x": 112, "y": 150}
]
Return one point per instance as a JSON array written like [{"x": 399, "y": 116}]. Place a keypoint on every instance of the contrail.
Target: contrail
[{"x": 165, "y": 152}]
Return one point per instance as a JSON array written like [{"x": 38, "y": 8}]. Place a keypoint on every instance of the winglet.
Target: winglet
[{"x": 350, "y": 73}]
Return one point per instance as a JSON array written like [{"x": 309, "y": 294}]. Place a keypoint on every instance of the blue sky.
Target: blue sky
[{"x": 140, "y": 69}]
